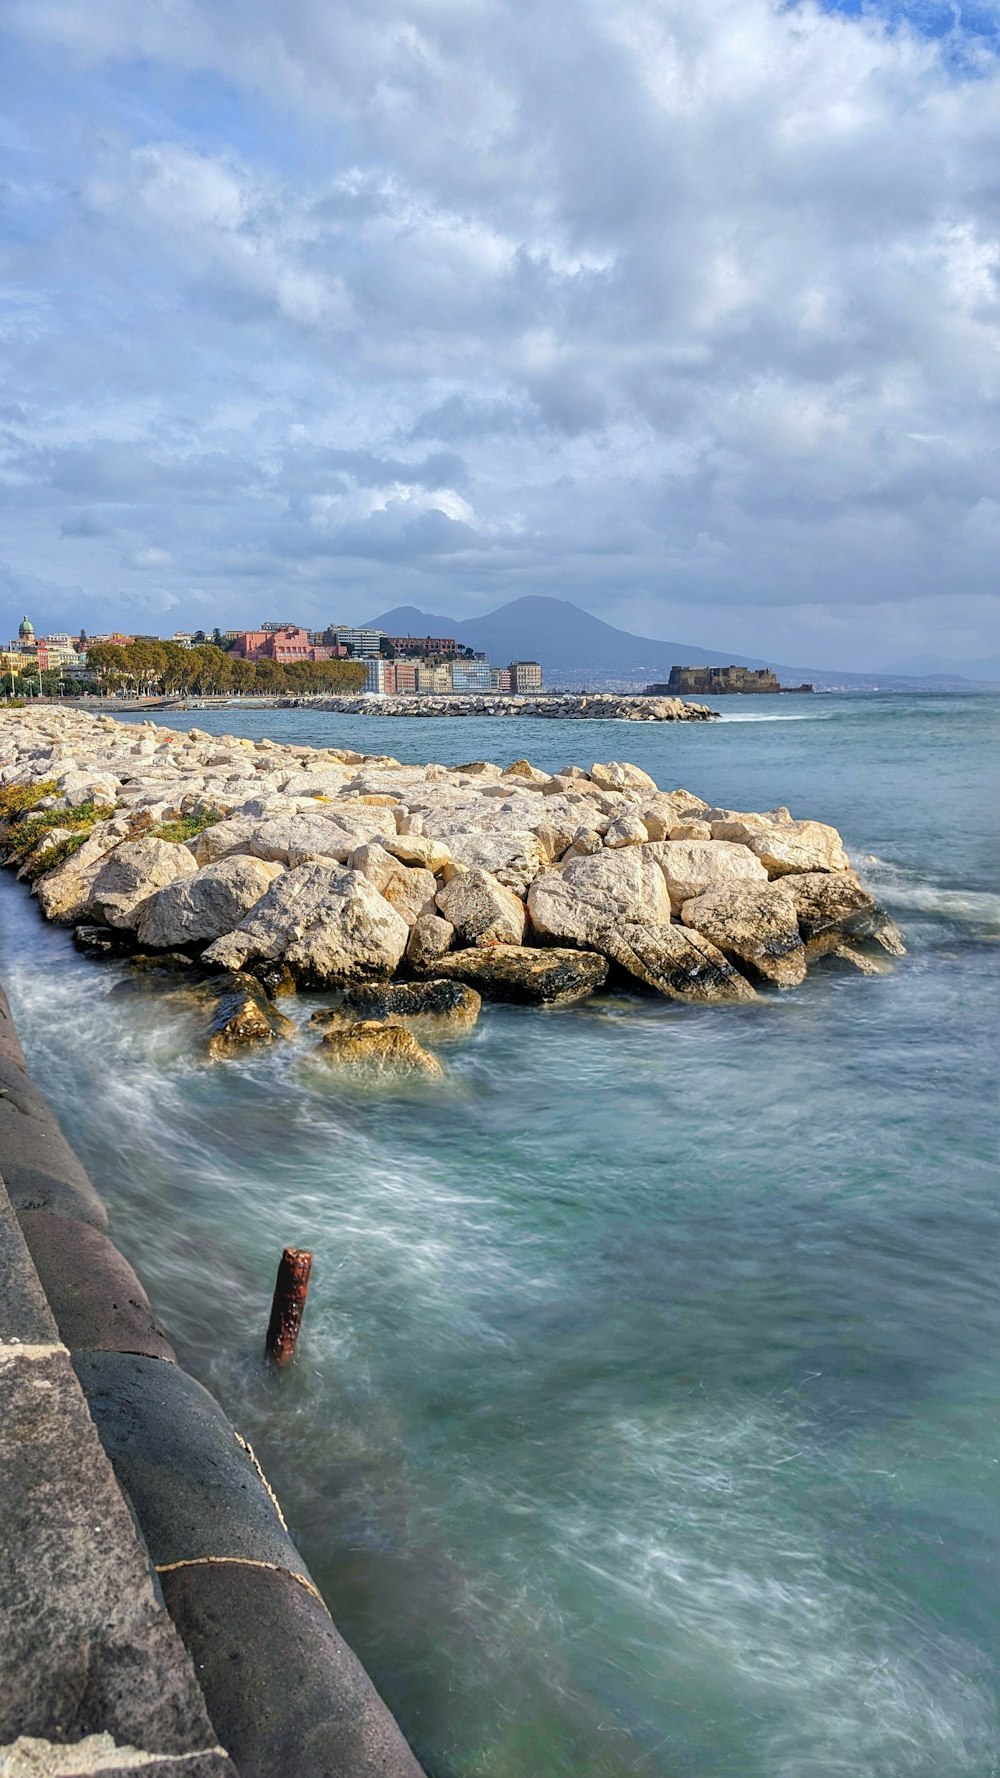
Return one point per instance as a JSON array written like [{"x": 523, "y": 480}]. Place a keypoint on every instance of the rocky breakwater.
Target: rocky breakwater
[
  {"x": 598, "y": 707},
  {"x": 264, "y": 868}
]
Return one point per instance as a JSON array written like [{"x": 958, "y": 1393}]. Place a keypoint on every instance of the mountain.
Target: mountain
[
  {"x": 576, "y": 649},
  {"x": 561, "y": 636}
]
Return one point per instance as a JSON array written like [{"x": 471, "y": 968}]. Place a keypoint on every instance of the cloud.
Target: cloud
[
  {"x": 691, "y": 309},
  {"x": 84, "y": 524},
  {"x": 146, "y": 556}
]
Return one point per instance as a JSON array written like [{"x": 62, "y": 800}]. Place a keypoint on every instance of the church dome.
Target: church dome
[{"x": 26, "y": 630}]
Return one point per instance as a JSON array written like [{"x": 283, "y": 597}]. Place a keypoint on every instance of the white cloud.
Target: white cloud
[
  {"x": 147, "y": 556},
  {"x": 707, "y": 298}
]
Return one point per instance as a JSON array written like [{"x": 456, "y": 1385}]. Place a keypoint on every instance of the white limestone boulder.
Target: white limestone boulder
[
  {"x": 788, "y": 847},
  {"x": 482, "y": 910},
  {"x": 197, "y": 909},
  {"x": 620, "y": 775},
  {"x": 689, "y": 867},
  {"x": 627, "y": 830},
  {"x": 133, "y": 872},
  {"x": 330, "y": 926},
  {"x": 410, "y": 891},
  {"x": 757, "y": 924},
  {"x": 583, "y": 895},
  {"x": 513, "y": 857}
]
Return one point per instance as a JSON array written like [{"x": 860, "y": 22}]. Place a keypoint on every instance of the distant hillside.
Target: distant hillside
[
  {"x": 562, "y": 637},
  {"x": 575, "y": 648}
]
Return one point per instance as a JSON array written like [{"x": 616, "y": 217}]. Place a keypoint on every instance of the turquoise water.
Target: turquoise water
[{"x": 646, "y": 1416}]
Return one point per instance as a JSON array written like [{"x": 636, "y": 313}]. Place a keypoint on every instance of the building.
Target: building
[
  {"x": 525, "y": 676},
  {"x": 420, "y": 647},
  {"x": 287, "y": 646},
  {"x": 432, "y": 679},
  {"x": 378, "y": 677},
  {"x": 475, "y": 675},
  {"x": 360, "y": 645},
  {"x": 500, "y": 679},
  {"x": 56, "y": 651},
  {"x": 401, "y": 676},
  {"x": 719, "y": 681}
]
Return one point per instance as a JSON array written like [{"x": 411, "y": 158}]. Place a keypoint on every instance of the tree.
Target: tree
[{"x": 107, "y": 662}]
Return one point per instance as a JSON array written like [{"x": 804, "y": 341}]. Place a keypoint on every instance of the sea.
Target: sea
[{"x": 646, "y": 1418}]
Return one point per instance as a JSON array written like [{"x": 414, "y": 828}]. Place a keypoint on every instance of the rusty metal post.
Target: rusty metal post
[{"x": 290, "y": 1291}]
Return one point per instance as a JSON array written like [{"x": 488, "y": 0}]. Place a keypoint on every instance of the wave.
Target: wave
[
  {"x": 904, "y": 889},
  {"x": 777, "y": 715}
]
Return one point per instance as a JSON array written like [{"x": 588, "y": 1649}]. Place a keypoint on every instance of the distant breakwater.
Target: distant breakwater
[{"x": 576, "y": 707}]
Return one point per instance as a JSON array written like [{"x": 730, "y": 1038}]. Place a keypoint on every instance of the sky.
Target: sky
[{"x": 687, "y": 313}]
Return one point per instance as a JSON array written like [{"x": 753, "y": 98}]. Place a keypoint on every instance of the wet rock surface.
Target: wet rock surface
[
  {"x": 544, "y": 977},
  {"x": 379, "y": 1047},
  {"x": 439, "y": 1006}
]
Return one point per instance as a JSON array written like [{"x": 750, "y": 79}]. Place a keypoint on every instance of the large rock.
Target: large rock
[
  {"x": 628, "y": 830},
  {"x": 294, "y": 839},
  {"x": 376, "y": 1048},
  {"x": 331, "y": 927},
  {"x": 430, "y": 937},
  {"x": 583, "y": 895},
  {"x": 200, "y": 908},
  {"x": 513, "y": 856},
  {"x": 443, "y": 1007},
  {"x": 64, "y": 893},
  {"x": 619, "y": 775},
  {"x": 681, "y": 964},
  {"x": 691, "y": 866},
  {"x": 526, "y": 976},
  {"x": 482, "y": 910},
  {"x": 132, "y": 873},
  {"x": 286, "y": 839},
  {"x": 832, "y": 907},
  {"x": 796, "y": 846},
  {"x": 410, "y": 891},
  {"x": 240, "y": 1015},
  {"x": 417, "y": 849},
  {"x": 756, "y": 924}
]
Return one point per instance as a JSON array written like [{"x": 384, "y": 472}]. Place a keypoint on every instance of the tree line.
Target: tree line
[{"x": 204, "y": 670}]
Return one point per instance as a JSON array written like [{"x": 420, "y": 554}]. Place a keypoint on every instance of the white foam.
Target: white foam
[
  {"x": 777, "y": 715},
  {"x": 902, "y": 888}
]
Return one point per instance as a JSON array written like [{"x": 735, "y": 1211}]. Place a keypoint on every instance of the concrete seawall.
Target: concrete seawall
[{"x": 102, "y": 1433}]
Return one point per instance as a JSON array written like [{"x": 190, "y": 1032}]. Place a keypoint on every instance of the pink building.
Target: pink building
[{"x": 285, "y": 646}]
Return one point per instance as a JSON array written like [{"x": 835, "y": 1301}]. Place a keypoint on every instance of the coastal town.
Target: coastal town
[
  {"x": 277, "y": 657},
  {"x": 343, "y": 660}
]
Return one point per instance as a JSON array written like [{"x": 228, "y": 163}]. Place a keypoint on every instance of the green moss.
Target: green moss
[
  {"x": 17, "y": 799},
  {"x": 187, "y": 828},
  {"x": 25, "y": 836},
  {"x": 51, "y": 856}
]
